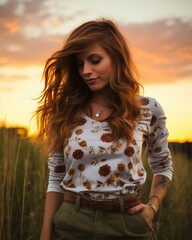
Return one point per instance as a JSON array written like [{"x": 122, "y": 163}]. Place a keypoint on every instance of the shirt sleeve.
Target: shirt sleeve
[
  {"x": 57, "y": 172},
  {"x": 158, "y": 153}
]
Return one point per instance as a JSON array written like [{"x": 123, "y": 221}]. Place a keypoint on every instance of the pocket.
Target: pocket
[
  {"x": 63, "y": 215},
  {"x": 137, "y": 226},
  {"x": 58, "y": 212},
  {"x": 145, "y": 221}
]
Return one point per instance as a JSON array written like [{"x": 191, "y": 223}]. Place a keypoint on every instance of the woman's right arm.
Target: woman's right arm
[
  {"x": 54, "y": 196},
  {"x": 53, "y": 202}
]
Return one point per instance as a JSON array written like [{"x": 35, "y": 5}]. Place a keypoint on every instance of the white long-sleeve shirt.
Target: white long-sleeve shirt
[{"x": 92, "y": 162}]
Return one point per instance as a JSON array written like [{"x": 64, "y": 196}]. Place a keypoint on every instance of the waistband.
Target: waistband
[{"x": 121, "y": 203}]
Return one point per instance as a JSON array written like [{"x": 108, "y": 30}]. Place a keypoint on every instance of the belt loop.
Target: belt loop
[
  {"x": 77, "y": 202},
  {"x": 121, "y": 204}
]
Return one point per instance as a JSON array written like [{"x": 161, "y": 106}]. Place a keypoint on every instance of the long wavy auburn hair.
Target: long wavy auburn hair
[{"x": 65, "y": 94}]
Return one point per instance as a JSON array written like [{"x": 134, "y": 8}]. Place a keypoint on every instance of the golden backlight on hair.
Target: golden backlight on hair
[{"x": 65, "y": 94}]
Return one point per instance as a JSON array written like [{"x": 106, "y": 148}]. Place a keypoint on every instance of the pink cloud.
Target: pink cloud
[{"x": 162, "y": 50}]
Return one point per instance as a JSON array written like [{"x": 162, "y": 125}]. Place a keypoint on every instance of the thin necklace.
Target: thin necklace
[
  {"x": 99, "y": 111},
  {"x": 97, "y": 114}
]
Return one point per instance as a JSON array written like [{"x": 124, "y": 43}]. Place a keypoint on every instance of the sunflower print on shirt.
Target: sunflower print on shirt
[{"x": 92, "y": 161}]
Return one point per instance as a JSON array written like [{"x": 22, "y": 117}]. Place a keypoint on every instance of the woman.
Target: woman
[{"x": 96, "y": 122}]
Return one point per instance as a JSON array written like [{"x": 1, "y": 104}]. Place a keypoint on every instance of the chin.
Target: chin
[{"x": 99, "y": 88}]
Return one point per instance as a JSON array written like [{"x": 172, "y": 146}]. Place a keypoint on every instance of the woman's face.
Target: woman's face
[{"x": 95, "y": 67}]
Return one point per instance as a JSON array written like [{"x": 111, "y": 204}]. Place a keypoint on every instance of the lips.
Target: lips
[{"x": 90, "y": 80}]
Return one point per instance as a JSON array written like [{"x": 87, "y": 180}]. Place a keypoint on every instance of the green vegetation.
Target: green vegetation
[
  {"x": 175, "y": 216},
  {"x": 23, "y": 180},
  {"x": 23, "y": 184}
]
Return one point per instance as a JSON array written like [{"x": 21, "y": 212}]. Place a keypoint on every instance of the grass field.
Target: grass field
[{"x": 23, "y": 183}]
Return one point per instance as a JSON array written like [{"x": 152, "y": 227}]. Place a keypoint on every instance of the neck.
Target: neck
[{"x": 100, "y": 98}]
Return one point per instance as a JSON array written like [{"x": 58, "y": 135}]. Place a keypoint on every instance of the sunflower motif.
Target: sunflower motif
[
  {"x": 130, "y": 165},
  {"x": 60, "y": 169},
  {"x": 129, "y": 151},
  {"x": 139, "y": 173},
  {"x": 104, "y": 170},
  {"x": 78, "y": 154},
  {"x": 81, "y": 167},
  {"x": 87, "y": 184},
  {"x": 83, "y": 143},
  {"x": 121, "y": 167},
  {"x": 69, "y": 183},
  {"x": 79, "y": 131},
  {"x": 107, "y": 137},
  {"x": 71, "y": 172}
]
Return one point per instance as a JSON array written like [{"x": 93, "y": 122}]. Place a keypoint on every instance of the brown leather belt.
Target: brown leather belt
[{"x": 100, "y": 204}]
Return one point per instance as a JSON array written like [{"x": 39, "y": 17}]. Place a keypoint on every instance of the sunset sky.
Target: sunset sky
[{"x": 159, "y": 35}]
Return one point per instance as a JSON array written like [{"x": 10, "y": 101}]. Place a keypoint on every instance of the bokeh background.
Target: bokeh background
[{"x": 159, "y": 35}]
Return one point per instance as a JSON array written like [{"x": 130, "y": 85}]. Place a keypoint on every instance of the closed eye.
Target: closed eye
[{"x": 94, "y": 59}]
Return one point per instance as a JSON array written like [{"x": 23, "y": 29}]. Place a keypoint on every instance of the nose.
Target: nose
[{"x": 87, "y": 69}]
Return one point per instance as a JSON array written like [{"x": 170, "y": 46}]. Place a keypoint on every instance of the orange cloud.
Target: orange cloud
[
  {"x": 162, "y": 50},
  {"x": 11, "y": 25}
]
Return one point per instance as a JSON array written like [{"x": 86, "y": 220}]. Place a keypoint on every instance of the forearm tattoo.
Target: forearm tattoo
[{"x": 164, "y": 182}]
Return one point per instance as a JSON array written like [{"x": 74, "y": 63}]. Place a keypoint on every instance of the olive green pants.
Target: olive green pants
[{"x": 74, "y": 223}]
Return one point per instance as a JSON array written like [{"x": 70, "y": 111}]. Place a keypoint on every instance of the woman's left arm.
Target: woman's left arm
[
  {"x": 159, "y": 186},
  {"x": 158, "y": 191},
  {"x": 160, "y": 162}
]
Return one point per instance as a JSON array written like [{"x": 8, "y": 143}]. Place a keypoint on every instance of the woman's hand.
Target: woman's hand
[{"x": 146, "y": 211}]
